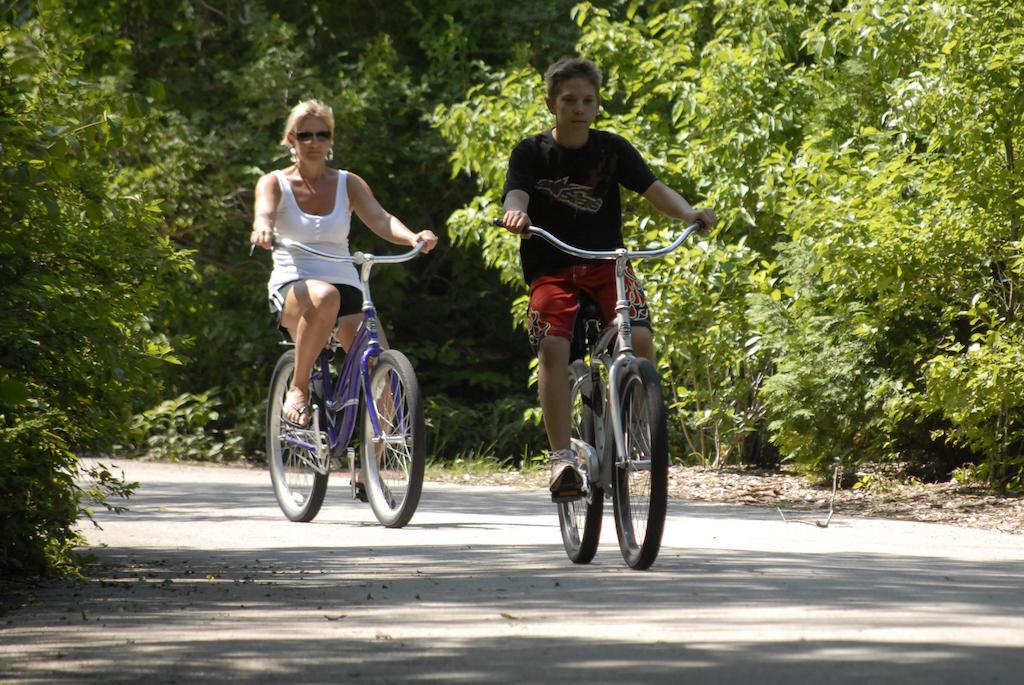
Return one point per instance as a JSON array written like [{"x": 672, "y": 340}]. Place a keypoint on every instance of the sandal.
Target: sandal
[{"x": 300, "y": 408}]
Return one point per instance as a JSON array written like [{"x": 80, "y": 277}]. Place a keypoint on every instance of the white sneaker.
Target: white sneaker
[
  {"x": 566, "y": 483},
  {"x": 586, "y": 454}
]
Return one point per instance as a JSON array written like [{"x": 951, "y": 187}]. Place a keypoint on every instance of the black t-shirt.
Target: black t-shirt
[{"x": 574, "y": 194}]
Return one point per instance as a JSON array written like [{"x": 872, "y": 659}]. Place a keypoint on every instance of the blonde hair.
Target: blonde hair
[{"x": 307, "y": 108}]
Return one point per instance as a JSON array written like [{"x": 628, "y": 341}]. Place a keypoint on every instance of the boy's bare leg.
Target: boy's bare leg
[
  {"x": 643, "y": 343},
  {"x": 552, "y": 378},
  {"x": 553, "y": 358}
]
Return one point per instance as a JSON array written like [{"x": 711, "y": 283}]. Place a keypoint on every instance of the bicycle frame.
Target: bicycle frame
[
  {"x": 342, "y": 403},
  {"x": 343, "y": 397}
]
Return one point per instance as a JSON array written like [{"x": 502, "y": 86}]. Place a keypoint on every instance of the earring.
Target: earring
[
  {"x": 330, "y": 153},
  {"x": 295, "y": 155}
]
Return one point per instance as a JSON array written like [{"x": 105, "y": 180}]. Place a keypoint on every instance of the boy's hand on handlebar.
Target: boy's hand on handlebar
[
  {"x": 516, "y": 221},
  {"x": 428, "y": 239},
  {"x": 706, "y": 216}
]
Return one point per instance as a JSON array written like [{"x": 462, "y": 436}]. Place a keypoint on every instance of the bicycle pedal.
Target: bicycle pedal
[{"x": 566, "y": 496}]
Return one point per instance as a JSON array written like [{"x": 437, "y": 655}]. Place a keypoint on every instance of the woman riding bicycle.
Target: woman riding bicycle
[
  {"x": 568, "y": 179},
  {"x": 312, "y": 203}
]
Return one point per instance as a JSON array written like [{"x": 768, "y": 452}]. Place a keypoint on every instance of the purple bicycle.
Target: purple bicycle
[{"x": 375, "y": 388}]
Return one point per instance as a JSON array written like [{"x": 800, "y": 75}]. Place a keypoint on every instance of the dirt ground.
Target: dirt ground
[{"x": 949, "y": 503}]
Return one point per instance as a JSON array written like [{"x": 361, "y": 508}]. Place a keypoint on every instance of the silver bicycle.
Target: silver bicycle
[{"x": 617, "y": 409}]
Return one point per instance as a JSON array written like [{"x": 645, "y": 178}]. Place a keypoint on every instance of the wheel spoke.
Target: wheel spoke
[
  {"x": 640, "y": 477},
  {"x": 294, "y": 454},
  {"x": 580, "y": 519},
  {"x": 394, "y": 459}
]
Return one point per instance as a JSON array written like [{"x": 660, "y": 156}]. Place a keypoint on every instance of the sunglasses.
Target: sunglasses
[{"x": 306, "y": 136}]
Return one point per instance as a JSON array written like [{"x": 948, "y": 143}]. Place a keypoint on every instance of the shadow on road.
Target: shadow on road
[
  {"x": 190, "y": 501},
  {"x": 339, "y": 623},
  {"x": 481, "y": 608}
]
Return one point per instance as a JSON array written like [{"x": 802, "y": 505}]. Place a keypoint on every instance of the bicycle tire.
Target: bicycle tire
[
  {"x": 393, "y": 476},
  {"x": 640, "y": 479},
  {"x": 580, "y": 519},
  {"x": 298, "y": 487}
]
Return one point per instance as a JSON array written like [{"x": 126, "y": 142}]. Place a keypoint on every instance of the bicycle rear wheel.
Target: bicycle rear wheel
[
  {"x": 393, "y": 464},
  {"x": 580, "y": 519},
  {"x": 640, "y": 477},
  {"x": 292, "y": 452}
]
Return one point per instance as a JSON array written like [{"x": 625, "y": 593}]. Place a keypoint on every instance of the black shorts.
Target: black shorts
[{"x": 351, "y": 303}]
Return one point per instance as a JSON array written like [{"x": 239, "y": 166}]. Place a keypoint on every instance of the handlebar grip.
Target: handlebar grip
[
  {"x": 252, "y": 247},
  {"x": 500, "y": 223}
]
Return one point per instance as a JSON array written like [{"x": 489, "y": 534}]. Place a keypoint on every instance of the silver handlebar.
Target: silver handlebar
[
  {"x": 357, "y": 258},
  {"x": 621, "y": 252}
]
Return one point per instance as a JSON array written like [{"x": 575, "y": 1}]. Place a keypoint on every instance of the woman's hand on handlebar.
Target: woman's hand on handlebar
[{"x": 262, "y": 237}]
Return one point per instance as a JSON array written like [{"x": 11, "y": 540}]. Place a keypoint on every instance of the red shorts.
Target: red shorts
[{"x": 554, "y": 299}]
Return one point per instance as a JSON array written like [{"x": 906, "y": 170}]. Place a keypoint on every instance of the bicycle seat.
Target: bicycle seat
[{"x": 586, "y": 327}]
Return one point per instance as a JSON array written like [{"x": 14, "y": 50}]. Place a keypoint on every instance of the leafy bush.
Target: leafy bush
[
  {"x": 981, "y": 390},
  {"x": 39, "y": 502},
  {"x": 508, "y": 430},
  {"x": 903, "y": 209},
  {"x": 183, "y": 428},
  {"x": 82, "y": 266},
  {"x": 45, "y": 490},
  {"x": 712, "y": 366}
]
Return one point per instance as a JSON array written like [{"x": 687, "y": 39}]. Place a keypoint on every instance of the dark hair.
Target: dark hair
[{"x": 571, "y": 67}]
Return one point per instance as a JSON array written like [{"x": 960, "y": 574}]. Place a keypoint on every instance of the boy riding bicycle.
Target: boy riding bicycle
[{"x": 568, "y": 178}]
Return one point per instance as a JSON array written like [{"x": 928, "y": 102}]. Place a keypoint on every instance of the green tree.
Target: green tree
[
  {"x": 860, "y": 299},
  {"x": 662, "y": 66},
  {"x": 216, "y": 129},
  {"x": 82, "y": 266},
  {"x": 903, "y": 211}
]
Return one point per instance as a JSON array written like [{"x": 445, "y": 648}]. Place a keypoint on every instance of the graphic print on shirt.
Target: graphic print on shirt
[
  {"x": 577, "y": 196},
  {"x": 601, "y": 176}
]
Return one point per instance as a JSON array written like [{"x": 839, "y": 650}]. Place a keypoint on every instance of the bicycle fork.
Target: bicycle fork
[
  {"x": 617, "y": 368},
  {"x": 615, "y": 408}
]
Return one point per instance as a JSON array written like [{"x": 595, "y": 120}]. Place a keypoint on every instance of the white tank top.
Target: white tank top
[{"x": 328, "y": 233}]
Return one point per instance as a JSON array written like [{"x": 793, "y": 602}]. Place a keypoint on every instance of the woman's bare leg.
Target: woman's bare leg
[{"x": 310, "y": 310}]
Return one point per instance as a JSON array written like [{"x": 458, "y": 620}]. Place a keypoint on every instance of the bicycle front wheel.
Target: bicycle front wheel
[
  {"x": 393, "y": 462},
  {"x": 580, "y": 519},
  {"x": 640, "y": 476},
  {"x": 292, "y": 452}
]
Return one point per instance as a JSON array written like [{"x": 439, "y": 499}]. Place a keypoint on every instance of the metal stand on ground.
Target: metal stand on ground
[{"x": 837, "y": 469}]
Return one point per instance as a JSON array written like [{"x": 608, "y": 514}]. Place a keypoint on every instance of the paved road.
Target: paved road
[{"x": 204, "y": 581}]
